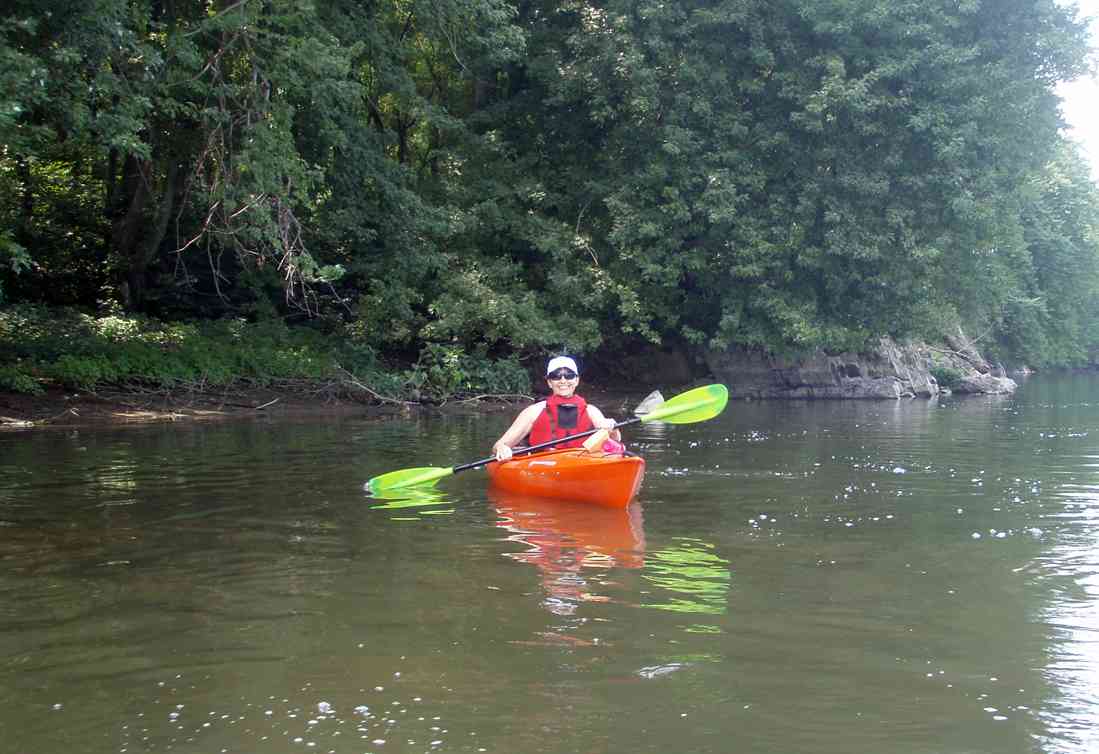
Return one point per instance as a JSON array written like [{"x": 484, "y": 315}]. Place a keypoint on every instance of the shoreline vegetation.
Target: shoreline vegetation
[
  {"x": 67, "y": 366},
  {"x": 63, "y": 367},
  {"x": 397, "y": 206}
]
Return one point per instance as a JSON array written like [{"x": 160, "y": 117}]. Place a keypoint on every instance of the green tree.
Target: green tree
[
  {"x": 792, "y": 175},
  {"x": 1050, "y": 318},
  {"x": 508, "y": 177}
]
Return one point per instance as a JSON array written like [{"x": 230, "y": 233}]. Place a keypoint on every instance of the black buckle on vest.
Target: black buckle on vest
[{"x": 568, "y": 415}]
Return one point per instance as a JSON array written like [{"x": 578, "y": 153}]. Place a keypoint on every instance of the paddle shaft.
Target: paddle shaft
[{"x": 541, "y": 445}]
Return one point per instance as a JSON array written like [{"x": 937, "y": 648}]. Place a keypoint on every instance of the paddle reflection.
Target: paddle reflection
[
  {"x": 690, "y": 578},
  {"x": 422, "y": 500},
  {"x": 566, "y": 540}
]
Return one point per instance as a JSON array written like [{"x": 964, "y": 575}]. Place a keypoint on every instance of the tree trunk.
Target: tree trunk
[
  {"x": 138, "y": 231},
  {"x": 26, "y": 224}
]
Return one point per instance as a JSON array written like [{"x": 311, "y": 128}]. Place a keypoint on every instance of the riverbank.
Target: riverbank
[
  {"x": 63, "y": 367},
  {"x": 66, "y": 365},
  {"x": 59, "y": 408},
  {"x": 68, "y": 408},
  {"x": 56, "y": 408}
]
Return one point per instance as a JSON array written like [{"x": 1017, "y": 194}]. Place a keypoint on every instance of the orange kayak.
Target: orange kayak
[{"x": 572, "y": 474}]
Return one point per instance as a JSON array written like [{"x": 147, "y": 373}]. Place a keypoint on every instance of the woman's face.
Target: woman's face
[{"x": 563, "y": 382}]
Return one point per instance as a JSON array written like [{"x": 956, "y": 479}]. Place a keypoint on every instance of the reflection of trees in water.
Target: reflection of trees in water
[
  {"x": 566, "y": 541},
  {"x": 691, "y": 578}
]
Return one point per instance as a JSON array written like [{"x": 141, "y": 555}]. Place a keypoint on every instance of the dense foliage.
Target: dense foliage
[
  {"x": 75, "y": 350},
  {"x": 507, "y": 178}
]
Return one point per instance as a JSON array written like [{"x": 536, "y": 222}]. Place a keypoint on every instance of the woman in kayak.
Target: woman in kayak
[{"x": 564, "y": 413}]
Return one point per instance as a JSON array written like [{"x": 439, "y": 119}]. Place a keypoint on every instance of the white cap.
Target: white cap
[{"x": 561, "y": 362}]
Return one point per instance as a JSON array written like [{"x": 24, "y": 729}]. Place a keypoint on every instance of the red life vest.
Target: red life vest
[{"x": 561, "y": 417}]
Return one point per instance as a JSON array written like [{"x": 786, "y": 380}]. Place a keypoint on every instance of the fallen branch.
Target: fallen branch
[
  {"x": 66, "y": 412},
  {"x": 507, "y": 397},
  {"x": 976, "y": 362},
  {"x": 350, "y": 379},
  {"x": 11, "y": 421}
]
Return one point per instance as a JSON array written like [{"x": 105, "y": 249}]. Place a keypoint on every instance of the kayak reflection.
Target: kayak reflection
[{"x": 571, "y": 544}]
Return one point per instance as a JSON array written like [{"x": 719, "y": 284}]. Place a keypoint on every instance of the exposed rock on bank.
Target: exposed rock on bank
[{"x": 890, "y": 371}]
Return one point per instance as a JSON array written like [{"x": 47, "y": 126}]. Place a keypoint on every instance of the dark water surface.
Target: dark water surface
[{"x": 832, "y": 577}]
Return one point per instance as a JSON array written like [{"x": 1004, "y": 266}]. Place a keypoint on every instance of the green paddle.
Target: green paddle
[{"x": 696, "y": 405}]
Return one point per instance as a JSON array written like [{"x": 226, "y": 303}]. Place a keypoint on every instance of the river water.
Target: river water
[{"x": 826, "y": 577}]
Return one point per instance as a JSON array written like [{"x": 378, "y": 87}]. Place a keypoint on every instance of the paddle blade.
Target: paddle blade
[
  {"x": 696, "y": 405},
  {"x": 396, "y": 480}
]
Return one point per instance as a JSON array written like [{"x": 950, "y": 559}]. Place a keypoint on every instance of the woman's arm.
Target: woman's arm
[
  {"x": 519, "y": 429},
  {"x": 601, "y": 422}
]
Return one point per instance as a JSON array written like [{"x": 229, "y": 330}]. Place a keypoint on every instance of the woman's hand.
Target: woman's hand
[
  {"x": 503, "y": 452},
  {"x": 604, "y": 422}
]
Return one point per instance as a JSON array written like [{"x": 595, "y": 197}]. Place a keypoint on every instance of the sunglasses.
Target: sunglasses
[{"x": 562, "y": 374}]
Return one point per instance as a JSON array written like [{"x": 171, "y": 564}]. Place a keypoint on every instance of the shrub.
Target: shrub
[
  {"x": 83, "y": 351},
  {"x": 443, "y": 371},
  {"x": 78, "y": 350},
  {"x": 14, "y": 379},
  {"x": 946, "y": 376}
]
